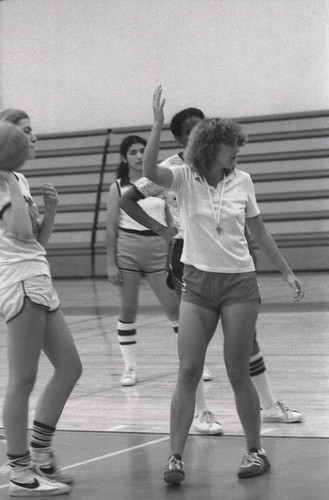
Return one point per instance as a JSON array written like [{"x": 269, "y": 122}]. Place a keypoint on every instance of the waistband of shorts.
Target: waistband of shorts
[{"x": 136, "y": 231}]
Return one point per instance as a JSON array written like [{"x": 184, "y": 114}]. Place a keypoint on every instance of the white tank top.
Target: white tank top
[{"x": 155, "y": 207}]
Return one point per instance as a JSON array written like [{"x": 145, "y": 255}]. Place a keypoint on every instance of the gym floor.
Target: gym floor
[{"x": 115, "y": 439}]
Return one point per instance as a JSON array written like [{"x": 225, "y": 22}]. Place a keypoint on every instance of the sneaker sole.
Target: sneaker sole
[
  {"x": 174, "y": 477},
  {"x": 208, "y": 433},
  {"x": 273, "y": 420},
  {"x": 246, "y": 474},
  {"x": 39, "y": 493}
]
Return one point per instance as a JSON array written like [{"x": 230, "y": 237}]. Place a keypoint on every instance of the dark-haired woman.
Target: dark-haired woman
[{"x": 134, "y": 251}]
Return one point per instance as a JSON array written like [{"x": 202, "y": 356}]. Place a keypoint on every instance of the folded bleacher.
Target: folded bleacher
[{"x": 286, "y": 155}]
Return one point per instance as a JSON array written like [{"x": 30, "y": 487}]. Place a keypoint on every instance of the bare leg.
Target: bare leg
[
  {"x": 25, "y": 340},
  {"x": 238, "y": 321},
  {"x": 61, "y": 351},
  {"x": 196, "y": 328},
  {"x": 167, "y": 297}
]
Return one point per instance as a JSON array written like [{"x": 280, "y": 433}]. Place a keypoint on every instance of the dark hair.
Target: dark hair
[
  {"x": 123, "y": 167},
  {"x": 13, "y": 115},
  {"x": 206, "y": 137},
  {"x": 179, "y": 118}
]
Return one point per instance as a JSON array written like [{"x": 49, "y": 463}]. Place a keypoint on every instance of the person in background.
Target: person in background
[
  {"x": 273, "y": 410},
  {"x": 133, "y": 251},
  {"x": 31, "y": 309},
  {"x": 216, "y": 200}
]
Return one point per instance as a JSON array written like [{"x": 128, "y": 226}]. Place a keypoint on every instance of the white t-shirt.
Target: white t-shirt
[
  {"x": 20, "y": 259},
  {"x": 204, "y": 248},
  {"x": 154, "y": 206}
]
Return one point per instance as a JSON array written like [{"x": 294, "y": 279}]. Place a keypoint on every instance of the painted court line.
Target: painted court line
[{"x": 108, "y": 455}]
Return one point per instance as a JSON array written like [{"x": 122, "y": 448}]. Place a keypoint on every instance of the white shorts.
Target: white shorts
[{"x": 38, "y": 289}]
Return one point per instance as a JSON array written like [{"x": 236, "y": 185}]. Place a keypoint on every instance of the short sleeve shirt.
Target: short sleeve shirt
[
  {"x": 20, "y": 259},
  {"x": 149, "y": 188},
  {"x": 204, "y": 248}
]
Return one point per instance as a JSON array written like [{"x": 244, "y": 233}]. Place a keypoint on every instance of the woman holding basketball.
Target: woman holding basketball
[
  {"x": 216, "y": 200},
  {"x": 30, "y": 306}
]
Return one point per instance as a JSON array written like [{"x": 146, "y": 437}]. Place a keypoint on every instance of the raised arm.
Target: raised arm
[
  {"x": 267, "y": 244},
  {"x": 151, "y": 169},
  {"x": 128, "y": 203}
]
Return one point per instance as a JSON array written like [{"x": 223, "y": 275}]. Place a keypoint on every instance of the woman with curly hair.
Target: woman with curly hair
[{"x": 215, "y": 201}]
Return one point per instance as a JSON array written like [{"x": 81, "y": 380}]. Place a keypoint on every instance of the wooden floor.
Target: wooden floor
[{"x": 115, "y": 439}]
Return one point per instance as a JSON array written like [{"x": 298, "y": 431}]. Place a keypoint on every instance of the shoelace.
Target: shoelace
[
  {"x": 282, "y": 407},
  {"x": 208, "y": 417},
  {"x": 253, "y": 458}
]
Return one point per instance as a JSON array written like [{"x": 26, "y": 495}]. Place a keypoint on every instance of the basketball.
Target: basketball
[{"x": 14, "y": 146}]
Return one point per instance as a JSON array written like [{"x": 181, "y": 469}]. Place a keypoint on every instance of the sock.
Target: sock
[
  {"x": 174, "y": 325},
  {"x": 200, "y": 402},
  {"x": 261, "y": 380},
  {"x": 127, "y": 340},
  {"x": 41, "y": 437},
  {"x": 19, "y": 466},
  {"x": 41, "y": 442}
]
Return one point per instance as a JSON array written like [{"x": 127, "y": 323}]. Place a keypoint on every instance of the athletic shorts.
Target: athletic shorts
[
  {"x": 38, "y": 289},
  {"x": 144, "y": 253},
  {"x": 214, "y": 290}
]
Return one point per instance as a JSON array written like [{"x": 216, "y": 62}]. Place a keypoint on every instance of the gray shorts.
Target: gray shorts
[
  {"x": 38, "y": 289},
  {"x": 141, "y": 253},
  {"x": 214, "y": 290}
]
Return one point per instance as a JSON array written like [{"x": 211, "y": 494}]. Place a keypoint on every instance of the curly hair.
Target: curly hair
[{"x": 206, "y": 138}]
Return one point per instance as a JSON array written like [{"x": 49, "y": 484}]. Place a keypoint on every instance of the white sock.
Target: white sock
[
  {"x": 127, "y": 340},
  {"x": 261, "y": 380}
]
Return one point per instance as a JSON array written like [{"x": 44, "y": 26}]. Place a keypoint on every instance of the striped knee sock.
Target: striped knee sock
[
  {"x": 259, "y": 376},
  {"x": 127, "y": 340},
  {"x": 41, "y": 437}
]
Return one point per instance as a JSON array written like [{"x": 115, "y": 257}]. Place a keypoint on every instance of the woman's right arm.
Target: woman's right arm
[
  {"x": 160, "y": 175},
  {"x": 114, "y": 274},
  {"x": 16, "y": 217}
]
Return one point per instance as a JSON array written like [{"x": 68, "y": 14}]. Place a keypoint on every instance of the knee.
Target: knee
[
  {"x": 23, "y": 384},
  {"x": 190, "y": 373},
  {"x": 75, "y": 372},
  {"x": 237, "y": 375}
]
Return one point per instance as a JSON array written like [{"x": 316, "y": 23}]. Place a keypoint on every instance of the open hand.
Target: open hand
[{"x": 158, "y": 105}]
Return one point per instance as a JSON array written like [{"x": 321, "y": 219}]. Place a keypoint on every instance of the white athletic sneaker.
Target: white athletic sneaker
[
  {"x": 206, "y": 374},
  {"x": 280, "y": 413},
  {"x": 129, "y": 377},
  {"x": 46, "y": 465},
  {"x": 36, "y": 486},
  {"x": 205, "y": 423}
]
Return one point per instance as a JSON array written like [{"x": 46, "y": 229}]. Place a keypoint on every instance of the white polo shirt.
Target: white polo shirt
[{"x": 204, "y": 248}]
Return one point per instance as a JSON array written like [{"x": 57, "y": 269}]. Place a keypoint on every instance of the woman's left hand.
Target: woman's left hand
[
  {"x": 50, "y": 198},
  {"x": 297, "y": 285}
]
